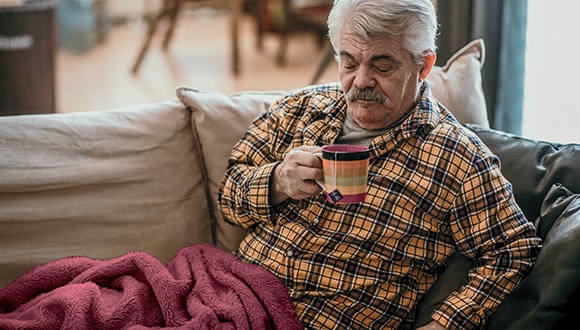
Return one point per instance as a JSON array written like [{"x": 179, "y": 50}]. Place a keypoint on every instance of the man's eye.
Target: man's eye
[
  {"x": 384, "y": 69},
  {"x": 349, "y": 66}
]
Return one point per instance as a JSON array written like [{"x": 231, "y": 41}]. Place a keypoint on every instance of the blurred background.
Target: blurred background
[
  {"x": 107, "y": 55},
  {"x": 106, "y": 71},
  {"x": 82, "y": 55}
]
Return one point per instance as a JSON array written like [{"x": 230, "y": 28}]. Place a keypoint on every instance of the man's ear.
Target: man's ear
[{"x": 428, "y": 63}]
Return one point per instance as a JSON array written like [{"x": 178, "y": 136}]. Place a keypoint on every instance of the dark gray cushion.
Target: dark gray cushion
[
  {"x": 550, "y": 297},
  {"x": 533, "y": 167},
  {"x": 451, "y": 279}
]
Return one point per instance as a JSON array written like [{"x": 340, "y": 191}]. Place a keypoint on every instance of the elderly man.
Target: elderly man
[{"x": 433, "y": 187}]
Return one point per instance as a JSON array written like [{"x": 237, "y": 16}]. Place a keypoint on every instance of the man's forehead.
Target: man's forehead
[
  {"x": 378, "y": 44},
  {"x": 380, "y": 48}
]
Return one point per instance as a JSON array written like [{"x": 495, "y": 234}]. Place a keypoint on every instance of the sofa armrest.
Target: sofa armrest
[{"x": 99, "y": 184}]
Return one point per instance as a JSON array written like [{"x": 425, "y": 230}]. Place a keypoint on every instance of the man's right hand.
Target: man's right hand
[{"x": 294, "y": 177}]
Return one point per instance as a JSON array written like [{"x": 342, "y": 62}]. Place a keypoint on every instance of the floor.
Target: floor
[{"x": 198, "y": 56}]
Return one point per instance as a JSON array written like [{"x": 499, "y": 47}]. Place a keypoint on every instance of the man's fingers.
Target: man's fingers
[
  {"x": 304, "y": 156},
  {"x": 311, "y": 149}
]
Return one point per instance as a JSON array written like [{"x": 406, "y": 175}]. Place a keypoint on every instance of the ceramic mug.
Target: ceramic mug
[{"x": 345, "y": 170}]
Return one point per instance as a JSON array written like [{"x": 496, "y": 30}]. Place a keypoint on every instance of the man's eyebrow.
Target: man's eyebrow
[
  {"x": 344, "y": 53},
  {"x": 381, "y": 57}
]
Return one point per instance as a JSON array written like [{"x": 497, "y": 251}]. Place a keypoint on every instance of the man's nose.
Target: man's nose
[{"x": 365, "y": 78}]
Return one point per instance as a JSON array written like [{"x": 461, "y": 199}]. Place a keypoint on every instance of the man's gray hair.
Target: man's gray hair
[{"x": 413, "y": 22}]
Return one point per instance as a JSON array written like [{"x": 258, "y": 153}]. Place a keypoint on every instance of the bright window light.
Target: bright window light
[{"x": 552, "y": 92}]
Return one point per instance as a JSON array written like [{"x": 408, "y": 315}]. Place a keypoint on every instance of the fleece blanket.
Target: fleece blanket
[{"x": 202, "y": 287}]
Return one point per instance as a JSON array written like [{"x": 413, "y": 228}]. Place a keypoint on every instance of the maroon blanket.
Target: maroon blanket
[{"x": 202, "y": 287}]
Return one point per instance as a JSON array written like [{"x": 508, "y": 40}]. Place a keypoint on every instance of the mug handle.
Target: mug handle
[{"x": 319, "y": 183}]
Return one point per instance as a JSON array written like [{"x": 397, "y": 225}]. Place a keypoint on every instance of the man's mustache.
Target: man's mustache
[{"x": 367, "y": 94}]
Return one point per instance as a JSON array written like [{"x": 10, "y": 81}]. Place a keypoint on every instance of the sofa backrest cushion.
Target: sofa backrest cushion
[
  {"x": 533, "y": 166},
  {"x": 99, "y": 184},
  {"x": 220, "y": 120},
  {"x": 458, "y": 84}
]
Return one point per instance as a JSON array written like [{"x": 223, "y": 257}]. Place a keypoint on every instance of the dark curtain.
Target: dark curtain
[{"x": 502, "y": 26}]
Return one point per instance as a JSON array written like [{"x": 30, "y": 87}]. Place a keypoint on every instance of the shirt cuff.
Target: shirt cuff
[
  {"x": 259, "y": 194},
  {"x": 459, "y": 312}
]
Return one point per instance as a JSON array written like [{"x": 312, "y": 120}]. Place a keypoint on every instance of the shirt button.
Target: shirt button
[
  {"x": 316, "y": 221},
  {"x": 382, "y": 147},
  {"x": 289, "y": 254}
]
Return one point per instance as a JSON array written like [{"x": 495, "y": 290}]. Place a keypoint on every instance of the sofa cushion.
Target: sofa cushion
[
  {"x": 452, "y": 279},
  {"x": 533, "y": 166},
  {"x": 220, "y": 120},
  {"x": 99, "y": 184},
  {"x": 458, "y": 84},
  {"x": 554, "y": 205},
  {"x": 550, "y": 296}
]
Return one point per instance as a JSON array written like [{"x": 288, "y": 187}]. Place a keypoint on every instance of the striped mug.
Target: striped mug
[{"x": 345, "y": 170}]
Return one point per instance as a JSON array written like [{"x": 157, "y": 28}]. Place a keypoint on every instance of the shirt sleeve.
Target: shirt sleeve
[
  {"x": 244, "y": 193},
  {"x": 488, "y": 226},
  {"x": 243, "y": 197}
]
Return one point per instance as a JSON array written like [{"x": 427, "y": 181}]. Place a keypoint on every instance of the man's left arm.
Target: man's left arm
[{"x": 490, "y": 227}]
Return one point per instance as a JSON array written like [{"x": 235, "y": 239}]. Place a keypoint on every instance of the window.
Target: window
[{"x": 551, "y": 92}]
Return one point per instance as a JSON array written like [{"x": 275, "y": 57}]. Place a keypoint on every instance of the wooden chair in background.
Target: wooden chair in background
[
  {"x": 281, "y": 17},
  {"x": 286, "y": 17},
  {"x": 171, "y": 9},
  {"x": 307, "y": 17}
]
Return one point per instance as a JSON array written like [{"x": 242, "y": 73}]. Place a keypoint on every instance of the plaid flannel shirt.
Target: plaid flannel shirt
[{"x": 433, "y": 188}]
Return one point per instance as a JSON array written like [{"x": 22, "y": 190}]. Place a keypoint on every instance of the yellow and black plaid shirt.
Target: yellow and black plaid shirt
[{"x": 433, "y": 188}]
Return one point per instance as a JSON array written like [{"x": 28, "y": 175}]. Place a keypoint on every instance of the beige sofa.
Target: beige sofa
[{"x": 103, "y": 183}]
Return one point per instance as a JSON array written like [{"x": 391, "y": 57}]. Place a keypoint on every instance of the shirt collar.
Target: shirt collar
[{"x": 425, "y": 116}]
